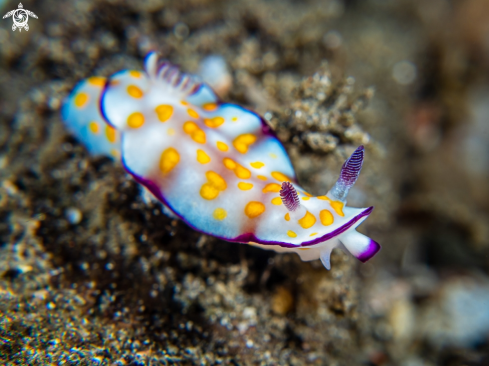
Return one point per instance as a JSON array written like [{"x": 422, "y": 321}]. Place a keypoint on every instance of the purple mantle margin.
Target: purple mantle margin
[
  {"x": 246, "y": 238},
  {"x": 250, "y": 237}
]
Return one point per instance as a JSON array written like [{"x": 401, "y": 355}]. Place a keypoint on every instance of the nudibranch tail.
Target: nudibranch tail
[
  {"x": 359, "y": 245},
  {"x": 349, "y": 175}
]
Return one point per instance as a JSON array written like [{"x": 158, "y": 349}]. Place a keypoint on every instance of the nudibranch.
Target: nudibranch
[{"x": 215, "y": 165}]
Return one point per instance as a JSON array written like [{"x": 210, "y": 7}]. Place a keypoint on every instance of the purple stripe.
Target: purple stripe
[
  {"x": 246, "y": 238},
  {"x": 373, "y": 248}
]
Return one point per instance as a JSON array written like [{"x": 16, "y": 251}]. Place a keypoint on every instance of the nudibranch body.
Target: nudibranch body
[{"x": 215, "y": 165}]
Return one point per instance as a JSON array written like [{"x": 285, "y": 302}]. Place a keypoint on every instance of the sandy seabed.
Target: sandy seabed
[{"x": 90, "y": 274}]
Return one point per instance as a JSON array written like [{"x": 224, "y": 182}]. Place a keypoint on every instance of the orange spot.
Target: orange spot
[
  {"x": 254, "y": 209},
  {"x": 291, "y": 234},
  {"x": 202, "y": 157},
  {"x": 195, "y": 132},
  {"x": 135, "y": 74},
  {"x": 280, "y": 177},
  {"x": 97, "y": 81},
  {"x": 326, "y": 217},
  {"x": 245, "y": 186},
  {"x": 338, "y": 207},
  {"x": 304, "y": 248},
  {"x": 307, "y": 194},
  {"x": 271, "y": 187},
  {"x": 215, "y": 184},
  {"x": 81, "y": 99},
  {"x": 262, "y": 177},
  {"x": 114, "y": 82},
  {"x": 192, "y": 113},
  {"x": 134, "y": 91},
  {"x": 208, "y": 191},
  {"x": 220, "y": 214},
  {"x": 209, "y": 106},
  {"x": 169, "y": 160},
  {"x": 277, "y": 201},
  {"x": 190, "y": 127},
  {"x": 110, "y": 133},
  {"x": 307, "y": 221},
  {"x": 234, "y": 119},
  {"x": 184, "y": 103},
  {"x": 94, "y": 127},
  {"x": 240, "y": 171},
  {"x": 257, "y": 164},
  {"x": 287, "y": 217},
  {"x": 213, "y": 122},
  {"x": 243, "y": 142},
  {"x": 229, "y": 163},
  {"x": 135, "y": 120},
  {"x": 164, "y": 112},
  {"x": 313, "y": 234},
  {"x": 273, "y": 156},
  {"x": 222, "y": 146},
  {"x": 170, "y": 131},
  {"x": 199, "y": 137},
  {"x": 306, "y": 198},
  {"x": 216, "y": 180}
]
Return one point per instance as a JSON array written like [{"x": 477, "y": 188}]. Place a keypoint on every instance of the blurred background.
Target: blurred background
[{"x": 90, "y": 274}]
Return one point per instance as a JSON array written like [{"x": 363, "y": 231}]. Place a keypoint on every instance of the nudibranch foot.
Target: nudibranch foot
[
  {"x": 215, "y": 165},
  {"x": 325, "y": 258}
]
